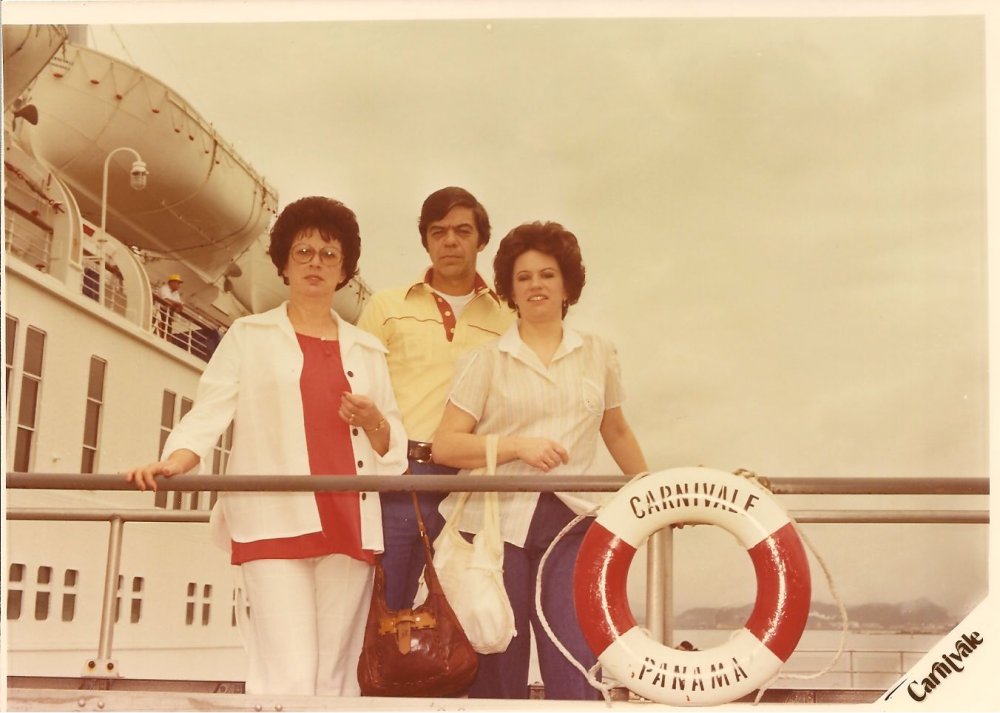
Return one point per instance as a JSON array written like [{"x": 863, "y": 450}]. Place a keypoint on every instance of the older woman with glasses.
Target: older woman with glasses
[{"x": 308, "y": 393}]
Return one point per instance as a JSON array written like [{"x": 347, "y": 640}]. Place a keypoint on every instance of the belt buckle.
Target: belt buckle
[{"x": 421, "y": 452}]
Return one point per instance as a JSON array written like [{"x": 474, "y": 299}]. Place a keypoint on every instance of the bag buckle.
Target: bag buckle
[
  {"x": 416, "y": 620},
  {"x": 402, "y": 622}
]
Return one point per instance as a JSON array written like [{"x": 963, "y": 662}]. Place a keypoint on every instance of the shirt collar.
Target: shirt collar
[
  {"x": 348, "y": 334},
  {"x": 511, "y": 342},
  {"x": 478, "y": 287}
]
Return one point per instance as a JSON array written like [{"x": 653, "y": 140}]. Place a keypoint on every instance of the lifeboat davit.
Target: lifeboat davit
[{"x": 203, "y": 205}]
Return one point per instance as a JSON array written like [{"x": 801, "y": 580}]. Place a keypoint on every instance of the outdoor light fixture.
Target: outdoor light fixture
[
  {"x": 137, "y": 176},
  {"x": 137, "y": 179}
]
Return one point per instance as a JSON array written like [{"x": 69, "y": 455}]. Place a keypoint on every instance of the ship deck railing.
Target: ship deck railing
[
  {"x": 97, "y": 270},
  {"x": 28, "y": 239},
  {"x": 187, "y": 328},
  {"x": 104, "y": 689},
  {"x": 26, "y": 236}
]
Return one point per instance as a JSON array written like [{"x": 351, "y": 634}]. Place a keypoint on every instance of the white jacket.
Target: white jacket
[{"x": 253, "y": 378}]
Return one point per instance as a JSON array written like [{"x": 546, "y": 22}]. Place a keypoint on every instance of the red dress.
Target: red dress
[{"x": 331, "y": 452}]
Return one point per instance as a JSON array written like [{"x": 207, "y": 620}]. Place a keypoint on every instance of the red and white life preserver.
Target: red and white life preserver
[{"x": 754, "y": 654}]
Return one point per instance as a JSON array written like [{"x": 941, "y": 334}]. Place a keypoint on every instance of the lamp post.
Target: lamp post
[{"x": 137, "y": 180}]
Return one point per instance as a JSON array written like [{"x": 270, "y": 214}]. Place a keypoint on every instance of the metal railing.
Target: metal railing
[
  {"x": 28, "y": 240},
  {"x": 472, "y": 483},
  {"x": 98, "y": 271},
  {"x": 184, "y": 328},
  {"x": 659, "y": 603}
]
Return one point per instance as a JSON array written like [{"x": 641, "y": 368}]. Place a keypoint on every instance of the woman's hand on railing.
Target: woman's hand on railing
[
  {"x": 180, "y": 461},
  {"x": 542, "y": 453}
]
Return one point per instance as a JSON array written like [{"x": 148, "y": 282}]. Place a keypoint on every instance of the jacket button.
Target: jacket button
[
  {"x": 354, "y": 431},
  {"x": 364, "y": 496},
  {"x": 350, "y": 373},
  {"x": 361, "y": 464}
]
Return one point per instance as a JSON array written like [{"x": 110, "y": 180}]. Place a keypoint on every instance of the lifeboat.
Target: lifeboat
[
  {"x": 26, "y": 50},
  {"x": 204, "y": 205}
]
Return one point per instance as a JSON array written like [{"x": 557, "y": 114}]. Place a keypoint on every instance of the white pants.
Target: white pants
[{"x": 307, "y": 624}]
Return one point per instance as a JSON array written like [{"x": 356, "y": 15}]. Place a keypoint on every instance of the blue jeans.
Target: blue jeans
[
  {"x": 505, "y": 675},
  {"x": 403, "y": 558}
]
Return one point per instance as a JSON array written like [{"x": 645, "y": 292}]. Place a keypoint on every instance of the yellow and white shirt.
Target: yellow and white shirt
[{"x": 425, "y": 339}]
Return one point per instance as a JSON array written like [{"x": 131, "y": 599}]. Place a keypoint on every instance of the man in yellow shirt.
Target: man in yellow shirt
[{"x": 426, "y": 326}]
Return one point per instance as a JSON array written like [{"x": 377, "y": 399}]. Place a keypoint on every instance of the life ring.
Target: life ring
[{"x": 754, "y": 654}]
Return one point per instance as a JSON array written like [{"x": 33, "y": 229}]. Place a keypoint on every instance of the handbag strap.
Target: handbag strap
[
  {"x": 428, "y": 555},
  {"x": 492, "y": 441},
  {"x": 491, "y": 501},
  {"x": 492, "y": 445},
  {"x": 430, "y": 574}
]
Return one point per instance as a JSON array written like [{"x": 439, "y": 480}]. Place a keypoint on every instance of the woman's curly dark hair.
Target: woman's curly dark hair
[
  {"x": 549, "y": 238},
  {"x": 330, "y": 218}
]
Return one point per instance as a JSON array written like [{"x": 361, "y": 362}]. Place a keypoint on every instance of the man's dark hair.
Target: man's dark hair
[{"x": 438, "y": 204}]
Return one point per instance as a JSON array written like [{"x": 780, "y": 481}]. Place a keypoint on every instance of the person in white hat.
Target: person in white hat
[{"x": 171, "y": 302}]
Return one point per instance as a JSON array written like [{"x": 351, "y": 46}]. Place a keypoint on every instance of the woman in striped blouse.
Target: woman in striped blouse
[{"x": 549, "y": 392}]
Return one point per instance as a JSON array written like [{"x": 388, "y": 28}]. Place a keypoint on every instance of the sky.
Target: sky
[{"x": 783, "y": 217}]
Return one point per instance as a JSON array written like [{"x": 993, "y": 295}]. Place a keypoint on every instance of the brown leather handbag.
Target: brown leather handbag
[{"x": 415, "y": 652}]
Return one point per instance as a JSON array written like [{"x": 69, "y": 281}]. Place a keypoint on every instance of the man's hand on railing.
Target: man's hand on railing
[{"x": 180, "y": 461}]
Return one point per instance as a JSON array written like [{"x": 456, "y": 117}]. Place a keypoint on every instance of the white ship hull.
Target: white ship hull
[{"x": 60, "y": 583}]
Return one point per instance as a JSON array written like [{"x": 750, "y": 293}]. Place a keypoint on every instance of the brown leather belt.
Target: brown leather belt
[{"x": 418, "y": 451}]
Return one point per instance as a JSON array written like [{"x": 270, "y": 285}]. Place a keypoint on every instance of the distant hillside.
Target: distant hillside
[{"x": 919, "y": 616}]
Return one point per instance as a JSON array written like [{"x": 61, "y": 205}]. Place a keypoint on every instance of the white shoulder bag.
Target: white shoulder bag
[{"x": 471, "y": 573}]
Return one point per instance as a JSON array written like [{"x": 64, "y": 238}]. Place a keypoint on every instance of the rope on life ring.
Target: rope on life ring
[{"x": 753, "y": 656}]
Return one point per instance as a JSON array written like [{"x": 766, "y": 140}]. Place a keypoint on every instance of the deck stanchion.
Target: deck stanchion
[
  {"x": 105, "y": 666},
  {"x": 659, "y": 586}
]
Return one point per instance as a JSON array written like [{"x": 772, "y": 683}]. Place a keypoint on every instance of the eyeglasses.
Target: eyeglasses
[{"x": 304, "y": 254}]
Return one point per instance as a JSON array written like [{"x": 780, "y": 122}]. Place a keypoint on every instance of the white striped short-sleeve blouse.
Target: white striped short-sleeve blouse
[{"x": 506, "y": 388}]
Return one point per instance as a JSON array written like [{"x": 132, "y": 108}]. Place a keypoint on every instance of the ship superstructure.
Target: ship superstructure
[{"x": 113, "y": 183}]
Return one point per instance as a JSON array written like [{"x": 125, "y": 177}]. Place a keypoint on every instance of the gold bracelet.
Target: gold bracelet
[{"x": 379, "y": 427}]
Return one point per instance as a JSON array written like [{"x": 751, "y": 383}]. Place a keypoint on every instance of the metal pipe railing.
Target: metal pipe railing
[
  {"x": 659, "y": 599},
  {"x": 478, "y": 483},
  {"x": 820, "y": 517},
  {"x": 106, "y": 515}
]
